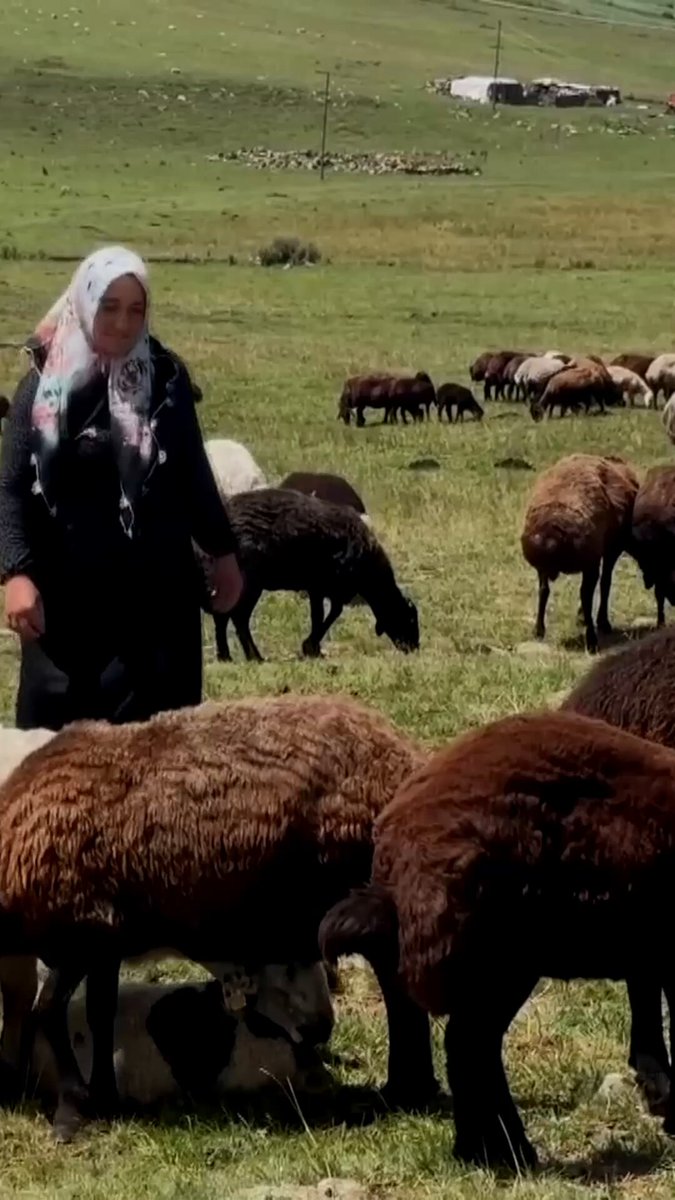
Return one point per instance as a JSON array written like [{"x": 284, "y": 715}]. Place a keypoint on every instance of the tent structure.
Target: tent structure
[{"x": 485, "y": 89}]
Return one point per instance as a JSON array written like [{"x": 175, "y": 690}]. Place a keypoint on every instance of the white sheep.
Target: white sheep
[
  {"x": 669, "y": 418},
  {"x": 234, "y": 467},
  {"x": 173, "y": 1038},
  {"x": 631, "y": 385},
  {"x": 660, "y": 375},
  {"x": 533, "y": 375}
]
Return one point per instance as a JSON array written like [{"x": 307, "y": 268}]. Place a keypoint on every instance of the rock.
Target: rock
[
  {"x": 614, "y": 1087},
  {"x": 533, "y": 649},
  {"x": 327, "y": 1189}
]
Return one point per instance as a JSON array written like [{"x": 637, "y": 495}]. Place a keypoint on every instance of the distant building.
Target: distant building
[{"x": 485, "y": 89}]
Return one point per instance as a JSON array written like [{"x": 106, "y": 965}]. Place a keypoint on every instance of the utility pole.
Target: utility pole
[
  {"x": 325, "y": 124},
  {"x": 498, "y": 51}
]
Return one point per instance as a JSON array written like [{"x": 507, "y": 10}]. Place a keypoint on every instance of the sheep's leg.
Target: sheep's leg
[
  {"x": 488, "y": 1127},
  {"x": 241, "y": 617},
  {"x": 608, "y": 564},
  {"x": 18, "y": 980},
  {"x": 102, "y": 990},
  {"x": 52, "y": 1015},
  {"x": 220, "y": 624},
  {"x": 360, "y": 419},
  {"x": 311, "y": 647},
  {"x": 648, "y": 1054},
  {"x": 660, "y": 609},
  {"x": 411, "y": 1082},
  {"x": 589, "y": 580},
  {"x": 544, "y": 593}
]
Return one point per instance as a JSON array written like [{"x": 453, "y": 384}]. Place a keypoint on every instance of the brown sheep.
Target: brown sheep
[
  {"x": 411, "y": 395},
  {"x": 578, "y": 518},
  {"x": 494, "y": 379},
  {"x": 224, "y": 832},
  {"x": 332, "y": 488},
  {"x": 575, "y": 386},
  {"x": 479, "y": 366},
  {"x": 653, "y": 536},
  {"x": 509, "y": 375},
  {"x": 361, "y": 392},
  {"x": 540, "y": 845},
  {"x": 454, "y": 396},
  {"x": 639, "y": 363}
]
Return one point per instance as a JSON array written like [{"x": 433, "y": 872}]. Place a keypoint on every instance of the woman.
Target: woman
[{"x": 104, "y": 484}]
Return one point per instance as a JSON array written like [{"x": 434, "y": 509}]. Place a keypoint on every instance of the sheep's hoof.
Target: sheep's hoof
[
  {"x": 539, "y": 632},
  {"x": 411, "y": 1095},
  {"x": 69, "y": 1118},
  {"x": 496, "y": 1148},
  {"x": 310, "y": 649},
  {"x": 604, "y": 626}
]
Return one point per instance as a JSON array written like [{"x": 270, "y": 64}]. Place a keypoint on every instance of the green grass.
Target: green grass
[{"x": 566, "y": 239}]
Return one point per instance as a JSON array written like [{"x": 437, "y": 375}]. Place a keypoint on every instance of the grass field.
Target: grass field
[{"x": 566, "y": 239}]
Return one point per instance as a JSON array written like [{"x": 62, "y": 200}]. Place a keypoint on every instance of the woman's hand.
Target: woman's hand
[
  {"x": 23, "y": 608},
  {"x": 226, "y": 582}
]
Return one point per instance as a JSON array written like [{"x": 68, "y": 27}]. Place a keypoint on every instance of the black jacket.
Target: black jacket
[{"x": 83, "y": 544}]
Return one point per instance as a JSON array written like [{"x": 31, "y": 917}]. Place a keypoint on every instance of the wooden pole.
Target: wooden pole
[
  {"x": 325, "y": 124},
  {"x": 498, "y": 51}
]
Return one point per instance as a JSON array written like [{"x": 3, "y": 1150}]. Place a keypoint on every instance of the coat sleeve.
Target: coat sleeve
[
  {"x": 16, "y": 481},
  {"x": 209, "y": 524}
]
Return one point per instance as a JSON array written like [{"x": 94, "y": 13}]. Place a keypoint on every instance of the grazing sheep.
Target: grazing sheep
[
  {"x": 575, "y": 386},
  {"x": 478, "y": 368},
  {"x": 579, "y": 517},
  {"x": 223, "y": 831},
  {"x": 181, "y": 1038},
  {"x": 331, "y": 488},
  {"x": 289, "y": 542},
  {"x": 409, "y": 395},
  {"x": 534, "y": 373},
  {"x": 234, "y": 467},
  {"x": 639, "y": 363},
  {"x": 669, "y": 418},
  {"x": 631, "y": 384},
  {"x": 361, "y": 392},
  {"x": 509, "y": 376},
  {"x": 540, "y": 845},
  {"x": 454, "y": 396},
  {"x": 653, "y": 536},
  {"x": 494, "y": 380},
  {"x": 660, "y": 376}
]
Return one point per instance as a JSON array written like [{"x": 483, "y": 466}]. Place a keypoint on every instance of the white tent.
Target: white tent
[{"x": 478, "y": 87}]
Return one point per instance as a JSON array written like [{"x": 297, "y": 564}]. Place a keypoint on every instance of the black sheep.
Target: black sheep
[
  {"x": 454, "y": 396},
  {"x": 332, "y": 488}
]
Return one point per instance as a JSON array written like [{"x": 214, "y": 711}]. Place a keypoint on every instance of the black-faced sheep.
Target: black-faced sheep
[
  {"x": 234, "y": 467},
  {"x": 451, "y": 396},
  {"x": 332, "y": 488},
  {"x": 182, "y": 1038},
  {"x": 541, "y": 845},
  {"x": 223, "y": 832},
  {"x": 653, "y": 536},
  {"x": 579, "y": 517},
  {"x": 290, "y": 542}
]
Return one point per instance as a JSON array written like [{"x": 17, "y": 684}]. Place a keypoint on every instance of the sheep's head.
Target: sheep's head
[
  {"x": 536, "y": 411},
  {"x": 400, "y": 623},
  {"x": 296, "y": 997}
]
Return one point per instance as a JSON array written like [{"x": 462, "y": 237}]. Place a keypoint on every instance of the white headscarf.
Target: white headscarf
[{"x": 67, "y": 334}]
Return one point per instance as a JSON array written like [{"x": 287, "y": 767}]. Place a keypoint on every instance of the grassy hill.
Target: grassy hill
[{"x": 110, "y": 116}]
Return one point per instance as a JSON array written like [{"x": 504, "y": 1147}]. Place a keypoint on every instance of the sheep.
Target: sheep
[
  {"x": 639, "y": 363},
  {"x": 171, "y": 1039},
  {"x": 410, "y": 396},
  {"x": 669, "y": 418},
  {"x": 332, "y": 488},
  {"x": 454, "y": 396},
  {"x": 224, "y": 832},
  {"x": 494, "y": 380},
  {"x": 534, "y": 373},
  {"x": 660, "y": 376},
  {"x": 234, "y": 467},
  {"x": 407, "y": 394},
  {"x": 653, "y": 536},
  {"x": 582, "y": 383},
  {"x": 509, "y": 375},
  {"x": 290, "y": 542},
  {"x": 478, "y": 367},
  {"x": 631, "y": 385},
  {"x": 542, "y": 844},
  {"x": 579, "y": 517}
]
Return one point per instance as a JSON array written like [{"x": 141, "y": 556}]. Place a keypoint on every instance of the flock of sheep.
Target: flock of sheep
[
  {"x": 543, "y": 381},
  {"x": 264, "y": 838}
]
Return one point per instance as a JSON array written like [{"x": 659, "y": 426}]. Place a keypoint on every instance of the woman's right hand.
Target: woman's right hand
[{"x": 23, "y": 608}]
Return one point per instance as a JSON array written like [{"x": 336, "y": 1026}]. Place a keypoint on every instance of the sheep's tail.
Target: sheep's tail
[{"x": 365, "y": 923}]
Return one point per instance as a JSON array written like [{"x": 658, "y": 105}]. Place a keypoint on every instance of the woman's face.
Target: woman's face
[{"x": 119, "y": 322}]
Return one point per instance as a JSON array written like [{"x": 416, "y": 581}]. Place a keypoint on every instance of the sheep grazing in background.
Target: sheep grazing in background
[
  {"x": 174, "y": 1039},
  {"x": 540, "y": 845},
  {"x": 509, "y": 376},
  {"x": 234, "y": 467},
  {"x": 479, "y": 366},
  {"x": 579, "y": 517},
  {"x": 631, "y": 385},
  {"x": 577, "y": 385},
  {"x": 533, "y": 374},
  {"x": 334, "y": 489},
  {"x": 669, "y": 418},
  {"x": 224, "y": 832},
  {"x": 653, "y": 535},
  {"x": 495, "y": 380},
  {"x": 409, "y": 395},
  {"x": 295, "y": 543},
  {"x": 639, "y": 363},
  {"x": 453, "y": 396},
  {"x": 660, "y": 376}
]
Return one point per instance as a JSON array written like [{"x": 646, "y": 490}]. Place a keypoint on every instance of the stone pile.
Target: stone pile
[{"x": 398, "y": 163}]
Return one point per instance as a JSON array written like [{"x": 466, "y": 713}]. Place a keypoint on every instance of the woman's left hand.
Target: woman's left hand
[{"x": 227, "y": 583}]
